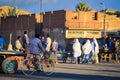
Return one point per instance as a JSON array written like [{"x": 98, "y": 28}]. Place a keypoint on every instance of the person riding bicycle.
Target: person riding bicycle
[{"x": 36, "y": 49}]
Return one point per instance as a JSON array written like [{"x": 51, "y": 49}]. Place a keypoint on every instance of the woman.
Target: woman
[
  {"x": 87, "y": 47},
  {"x": 95, "y": 49},
  {"x": 76, "y": 50}
]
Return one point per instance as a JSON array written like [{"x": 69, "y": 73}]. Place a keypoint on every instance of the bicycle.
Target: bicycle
[{"x": 29, "y": 65}]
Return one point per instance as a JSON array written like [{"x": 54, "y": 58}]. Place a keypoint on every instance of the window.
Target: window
[
  {"x": 75, "y": 17},
  {"x": 94, "y": 16}
]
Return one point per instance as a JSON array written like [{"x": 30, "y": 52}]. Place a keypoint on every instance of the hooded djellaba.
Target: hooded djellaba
[
  {"x": 86, "y": 48},
  {"x": 76, "y": 50},
  {"x": 95, "y": 50}
]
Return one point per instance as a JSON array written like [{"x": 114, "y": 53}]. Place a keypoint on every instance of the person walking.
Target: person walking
[
  {"x": 86, "y": 48},
  {"x": 95, "y": 50},
  {"x": 55, "y": 49},
  {"x": 25, "y": 40},
  {"x": 2, "y": 42},
  {"x": 76, "y": 50},
  {"x": 48, "y": 43}
]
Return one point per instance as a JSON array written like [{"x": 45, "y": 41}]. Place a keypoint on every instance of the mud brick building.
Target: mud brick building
[
  {"x": 61, "y": 25},
  {"x": 18, "y": 24},
  {"x": 65, "y": 24}
]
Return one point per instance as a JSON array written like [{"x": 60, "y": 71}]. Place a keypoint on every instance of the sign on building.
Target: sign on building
[{"x": 73, "y": 33}]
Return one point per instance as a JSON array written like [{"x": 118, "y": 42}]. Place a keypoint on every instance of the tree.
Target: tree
[
  {"x": 110, "y": 13},
  {"x": 117, "y": 13},
  {"x": 11, "y": 12},
  {"x": 82, "y": 6}
]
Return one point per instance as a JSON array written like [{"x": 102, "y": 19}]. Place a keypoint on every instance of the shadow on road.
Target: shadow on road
[
  {"x": 91, "y": 69},
  {"x": 57, "y": 76}
]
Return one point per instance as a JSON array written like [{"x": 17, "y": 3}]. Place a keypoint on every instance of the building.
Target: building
[
  {"x": 65, "y": 24},
  {"x": 61, "y": 25},
  {"x": 24, "y": 21},
  {"x": 18, "y": 24}
]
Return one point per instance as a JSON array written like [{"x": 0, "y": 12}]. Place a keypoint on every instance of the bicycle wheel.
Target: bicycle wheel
[
  {"x": 27, "y": 67},
  {"x": 47, "y": 66}
]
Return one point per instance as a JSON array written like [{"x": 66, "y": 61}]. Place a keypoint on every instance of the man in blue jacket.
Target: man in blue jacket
[
  {"x": 2, "y": 42},
  {"x": 36, "y": 48}
]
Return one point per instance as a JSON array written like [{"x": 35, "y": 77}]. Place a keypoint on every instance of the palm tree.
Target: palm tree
[
  {"x": 11, "y": 12},
  {"x": 82, "y": 6},
  {"x": 117, "y": 13}
]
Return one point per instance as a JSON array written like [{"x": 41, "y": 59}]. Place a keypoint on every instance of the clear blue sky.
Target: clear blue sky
[{"x": 51, "y": 5}]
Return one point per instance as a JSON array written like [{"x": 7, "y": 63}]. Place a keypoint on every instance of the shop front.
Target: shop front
[{"x": 78, "y": 33}]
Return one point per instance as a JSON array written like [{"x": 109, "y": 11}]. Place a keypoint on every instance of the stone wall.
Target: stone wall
[
  {"x": 54, "y": 24},
  {"x": 17, "y": 26}
]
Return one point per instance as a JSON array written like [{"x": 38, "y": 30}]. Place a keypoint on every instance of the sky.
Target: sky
[{"x": 52, "y": 5}]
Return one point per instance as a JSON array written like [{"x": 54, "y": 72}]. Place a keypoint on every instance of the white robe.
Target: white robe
[
  {"x": 76, "y": 48},
  {"x": 95, "y": 47},
  {"x": 87, "y": 47}
]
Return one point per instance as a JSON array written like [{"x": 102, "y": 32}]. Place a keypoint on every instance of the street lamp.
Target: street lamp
[
  {"x": 104, "y": 19},
  {"x": 40, "y": 6}
]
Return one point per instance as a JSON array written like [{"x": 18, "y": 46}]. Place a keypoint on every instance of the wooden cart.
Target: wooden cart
[
  {"x": 105, "y": 55},
  {"x": 10, "y": 60}
]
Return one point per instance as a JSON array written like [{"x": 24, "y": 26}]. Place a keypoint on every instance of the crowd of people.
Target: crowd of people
[
  {"x": 36, "y": 46},
  {"x": 83, "y": 53}
]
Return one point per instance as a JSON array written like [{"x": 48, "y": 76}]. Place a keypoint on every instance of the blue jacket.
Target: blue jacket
[
  {"x": 44, "y": 44},
  {"x": 36, "y": 46},
  {"x": 2, "y": 42}
]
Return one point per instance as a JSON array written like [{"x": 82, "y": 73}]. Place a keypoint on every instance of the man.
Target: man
[
  {"x": 19, "y": 47},
  {"x": 43, "y": 42},
  {"x": 109, "y": 43},
  {"x": 25, "y": 40},
  {"x": 55, "y": 49},
  {"x": 36, "y": 48},
  {"x": 18, "y": 44},
  {"x": 117, "y": 51},
  {"x": 2, "y": 42},
  {"x": 48, "y": 43}
]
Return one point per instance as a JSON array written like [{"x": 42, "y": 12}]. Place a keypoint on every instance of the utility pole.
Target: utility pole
[
  {"x": 104, "y": 19},
  {"x": 40, "y": 16},
  {"x": 40, "y": 6}
]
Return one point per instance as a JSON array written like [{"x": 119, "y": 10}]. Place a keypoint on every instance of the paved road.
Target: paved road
[{"x": 66, "y": 71}]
